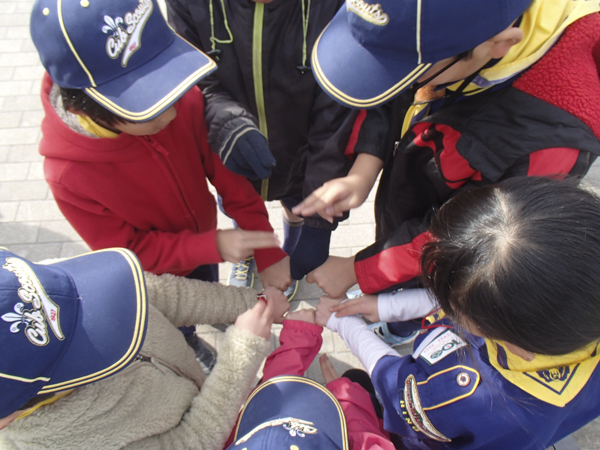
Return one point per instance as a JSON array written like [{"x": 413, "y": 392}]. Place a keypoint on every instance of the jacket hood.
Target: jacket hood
[{"x": 60, "y": 141}]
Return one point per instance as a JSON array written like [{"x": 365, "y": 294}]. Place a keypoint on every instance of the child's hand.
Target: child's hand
[
  {"x": 335, "y": 276},
  {"x": 277, "y": 275},
  {"x": 304, "y": 315},
  {"x": 235, "y": 245},
  {"x": 279, "y": 302},
  {"x": 324, "y": 309},
  {"x": 257, "y": 320},
  {"x": 329, "y": 373},
  {"x": 365, "y": 305},
  {"x": 334, "y": 198}
]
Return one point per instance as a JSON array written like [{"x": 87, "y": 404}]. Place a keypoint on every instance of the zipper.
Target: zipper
[
  {"x": 157, "y": 150},
  {"x": 257, "y": 35}
]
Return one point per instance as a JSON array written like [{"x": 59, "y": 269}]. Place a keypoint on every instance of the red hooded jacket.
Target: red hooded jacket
[{"x": 149, "y": 193}]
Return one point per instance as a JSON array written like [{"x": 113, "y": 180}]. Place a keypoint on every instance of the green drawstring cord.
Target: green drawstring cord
[
  {"x": 213, "y": 39},
  {"x": 305, "y": 16}
]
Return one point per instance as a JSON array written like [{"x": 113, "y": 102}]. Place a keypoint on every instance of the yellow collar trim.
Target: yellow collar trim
[
  {"x": 551, "y": 379},
  {"x": 92, "y": 127},
  {"x": 542, "y": 24},
  {"x": 45, "y": 402}
]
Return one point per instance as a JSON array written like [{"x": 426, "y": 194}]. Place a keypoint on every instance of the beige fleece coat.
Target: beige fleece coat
[{"x": 166, "y": 402}]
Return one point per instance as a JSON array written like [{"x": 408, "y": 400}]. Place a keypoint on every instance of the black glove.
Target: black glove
[{"x": 250, "y": 156}]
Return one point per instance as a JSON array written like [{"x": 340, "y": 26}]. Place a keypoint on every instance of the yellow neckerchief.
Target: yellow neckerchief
[
  {"x": 45, "y": 402},
  {"x": 542, "y": 24},
  {"x": 551, "y": 379},
  {"x": 94, "y": 128}
]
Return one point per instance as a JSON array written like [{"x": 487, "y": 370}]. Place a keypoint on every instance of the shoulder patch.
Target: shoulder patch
[
  {"x": 439, "y": 390},
  {"x": 443, "y": 345},
  {"x": 413, "y": 412}
]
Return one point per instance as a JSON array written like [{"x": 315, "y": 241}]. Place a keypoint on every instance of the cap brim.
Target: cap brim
[
  {"x": 146, "y": 92},
  {"x": 293, "y": 397},
  {"x": 112, "y": 319},
  {"x": 355, "y": 76}
]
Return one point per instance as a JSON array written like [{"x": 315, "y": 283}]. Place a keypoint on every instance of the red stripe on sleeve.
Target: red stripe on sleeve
[
  {"x": 349, "y": 152},
  {"x": 455, "y": 169},
  {"x": 391, "y": 266},
  {"x": 552, "y": 161}
]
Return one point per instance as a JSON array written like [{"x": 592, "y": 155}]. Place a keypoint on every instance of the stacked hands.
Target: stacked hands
[
  {"x": 365, "y": 305},
  {"x": 258, "y": 320}
]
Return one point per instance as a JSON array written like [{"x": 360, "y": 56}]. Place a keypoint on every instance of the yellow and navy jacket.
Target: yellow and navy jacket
[
  {"x": 263, "y": 82},
  {"x": 459, "y": 391},
  {"x": 542, "y": 121}
]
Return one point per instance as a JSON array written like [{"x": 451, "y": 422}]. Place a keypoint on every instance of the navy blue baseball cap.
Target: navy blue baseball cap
[
  {"x": 293, "y": 413},
  {"x": 122, "y": 53},
  {"x": 67, "y": 324},
  {"x": 370, "y": 52}
]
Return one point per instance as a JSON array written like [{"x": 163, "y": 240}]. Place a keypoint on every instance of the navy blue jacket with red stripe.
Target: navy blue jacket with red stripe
[{"x": 546, "y": 122}]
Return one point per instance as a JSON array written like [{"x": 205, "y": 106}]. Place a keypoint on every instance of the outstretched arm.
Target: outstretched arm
[{"x": 343, "y": 194}]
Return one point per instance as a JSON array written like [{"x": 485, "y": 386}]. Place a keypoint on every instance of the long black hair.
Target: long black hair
[{"x": 520, "y": 261}]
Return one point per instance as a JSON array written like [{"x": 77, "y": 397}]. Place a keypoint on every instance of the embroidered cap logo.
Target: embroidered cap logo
[
  {"x": 126, "y": 40},
  {"x": 371, "y": 13},
  {"x": 44, "y": 309}
]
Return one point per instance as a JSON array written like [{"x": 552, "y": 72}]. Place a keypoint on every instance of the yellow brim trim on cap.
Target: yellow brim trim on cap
[
  {"x": 138, "y": 334},
  {"x": 150, "y": 112},
  {"x": 308, "y": 381},
  {"x": 364, "y": 103}
]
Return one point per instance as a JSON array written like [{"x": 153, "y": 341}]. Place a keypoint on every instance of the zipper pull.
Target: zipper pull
[{"x": 396, "y": 145}]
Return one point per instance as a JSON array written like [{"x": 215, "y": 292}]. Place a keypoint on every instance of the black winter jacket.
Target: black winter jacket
[{"x": 260, "y": 83}]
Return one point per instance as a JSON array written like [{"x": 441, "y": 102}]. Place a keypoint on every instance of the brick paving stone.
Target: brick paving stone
[
  {"x": 21, "y": 153},
  {"x": 38, "y": 210},
  {"x": 21, "y": 103},
  {"x": 37, "y": 251},
  {"x": 14, "y": 136},
  {"x": 23, "y": 190},
  {"x": 18, "y": 32},
  {"x": 10, "y": 119},
  {"x": 36, "y": 171},
  {"x": 6, "y": 73},
  {"x": 69, "y": 249},
  {"x": 8, "y": 7},
  {"x": 4, "y": 149},
  {"x": 18, "y": 233},
  {"x": 8, "y": 211},
  {"x": 58, "y": 230},
  {"x": 14, "y": 172},
  {"x": 27, "y": 73},
  {"x": 14, "y": 19},
  {"x": 11, "y": 45},
  {"x": 32, "y": 118},
  {"x": 19, "y": 59},
  {"x": 8, "y": 88}
]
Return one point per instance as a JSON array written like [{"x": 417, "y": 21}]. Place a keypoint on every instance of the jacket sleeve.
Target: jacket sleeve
[
  {"x": 300, "y": 342},
  {"x": 201, "y": 302},
  {"x": 365, "y": 431},
  {"x": 226, "y": 119},
  {"x": 158, "y": 251},
  {"x": 242, "y": 204},
  {"x": 213, "y": 412},
  {"x": 370, "y": 133}
]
